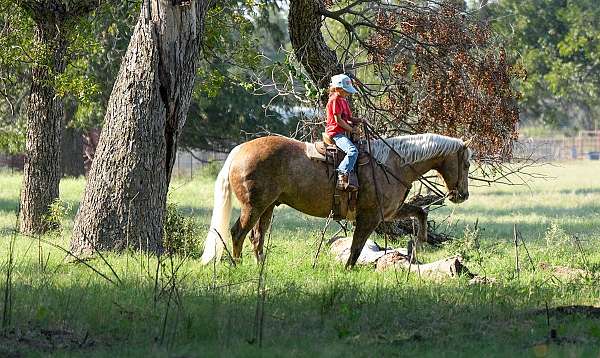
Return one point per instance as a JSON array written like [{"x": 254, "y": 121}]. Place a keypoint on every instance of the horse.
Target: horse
[{"x": 274, "y": 170}]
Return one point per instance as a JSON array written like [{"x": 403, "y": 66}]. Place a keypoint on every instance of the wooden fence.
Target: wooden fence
[
  {"x": 584, "y": 146},
  {"x": 187, "y": 164}
]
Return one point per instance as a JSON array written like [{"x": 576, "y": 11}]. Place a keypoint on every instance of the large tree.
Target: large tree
[
  {"x": 305, "y": 23},
  {"x": 53, "y": 20},
  {"x": 16, "y": 43},
  {"x": 96, "y": 45},
  {"x": 124, "y": 200},
  {"x": 424, "y": 66},
  {"x": 558, "y": 42}
]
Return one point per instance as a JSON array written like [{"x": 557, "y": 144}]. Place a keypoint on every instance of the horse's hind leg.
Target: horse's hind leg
[
  {"x": 259, "y": 231},
  {"x": 248, "y": 218}
]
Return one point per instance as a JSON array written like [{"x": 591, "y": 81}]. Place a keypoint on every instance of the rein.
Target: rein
[
  {"x": 459, "y": 170},
  {"x": 374, "y": 179},
  {"x": 386, "y": 170}
]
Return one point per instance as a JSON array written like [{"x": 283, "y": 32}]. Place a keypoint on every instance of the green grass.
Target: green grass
[{"x": 326, "y": 311}]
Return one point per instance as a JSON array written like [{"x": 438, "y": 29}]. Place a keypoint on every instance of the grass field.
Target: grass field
[{"x": 181, "y": 309}]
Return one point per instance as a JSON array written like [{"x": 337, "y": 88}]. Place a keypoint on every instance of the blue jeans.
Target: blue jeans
[{"x": 345, "y": 144}]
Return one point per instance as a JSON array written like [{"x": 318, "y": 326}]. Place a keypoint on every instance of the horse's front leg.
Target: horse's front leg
[
  {"x": 364, "y": 228},
  {"x": 414, "y": 211}
]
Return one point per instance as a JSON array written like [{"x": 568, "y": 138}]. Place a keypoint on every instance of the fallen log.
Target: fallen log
[
  {"x": 388, "y": 258},
  {"x": 450, "y": 266}
]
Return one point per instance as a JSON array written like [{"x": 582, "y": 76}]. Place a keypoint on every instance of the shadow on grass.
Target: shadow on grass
[
  {"x": 326, "y": 311},
  {"x": 549, "y": 211},
  {"x": 9, "y": 204},
  {"x": 582, "y": 191},
  {"x": 494, "y": 221}
]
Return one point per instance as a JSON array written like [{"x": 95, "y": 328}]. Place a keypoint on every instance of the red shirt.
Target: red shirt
[{"x": 336, "y": 105}]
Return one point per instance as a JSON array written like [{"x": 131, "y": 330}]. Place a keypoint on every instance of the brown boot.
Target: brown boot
[
  {"x": 352, "y": 182},
  {"x": 347, "y": 183}
]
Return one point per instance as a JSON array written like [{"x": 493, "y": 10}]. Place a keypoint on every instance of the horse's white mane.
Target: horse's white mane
[{"x": 416, "y": 148}]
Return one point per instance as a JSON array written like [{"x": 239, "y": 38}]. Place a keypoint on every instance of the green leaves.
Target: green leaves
[
  {"x": 12, "y": 138},
  {"x": 559, "y": 43},
  {"x": 23, "y": 47},
  {"x": 79, "y": 85}
]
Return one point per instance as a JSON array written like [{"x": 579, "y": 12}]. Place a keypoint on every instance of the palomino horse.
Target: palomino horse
[{"x": 269, "y": 171}]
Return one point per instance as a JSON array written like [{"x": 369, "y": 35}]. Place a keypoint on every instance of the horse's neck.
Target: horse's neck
[{"x": 411, "y": 172}]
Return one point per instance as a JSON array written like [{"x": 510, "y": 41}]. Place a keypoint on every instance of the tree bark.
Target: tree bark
[
  {"x": 310, "y": 48},
  {"x": 45, "y": 111},
  {"x": 124, "y": 200},
  {"x": 42, "y": 171}
]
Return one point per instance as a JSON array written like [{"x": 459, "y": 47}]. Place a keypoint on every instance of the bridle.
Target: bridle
[
  {"x": 460, "y": 173},
  {"x": 386, "y": 170}
]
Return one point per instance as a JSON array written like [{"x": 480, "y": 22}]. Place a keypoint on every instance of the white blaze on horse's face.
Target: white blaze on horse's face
[{"x": 455, "y": 172}]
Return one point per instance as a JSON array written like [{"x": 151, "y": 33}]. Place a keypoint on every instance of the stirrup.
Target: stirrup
[
  {"x": 342, "y": 182},
  {"x": 347, "y": 182},
  {"x": 352, "y": 182}
]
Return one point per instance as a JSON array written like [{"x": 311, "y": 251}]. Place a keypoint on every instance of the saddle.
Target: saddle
[
  {"x": 344, "y": 202},
  {"x": 319, "y": 151}
]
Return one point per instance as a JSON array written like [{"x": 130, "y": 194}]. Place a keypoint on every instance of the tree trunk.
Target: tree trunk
[
  {"x": 124, "y": 200},
  {"x": 42, "y": 167},
  {"x": 72, "y": 153},
  {"x": 90, "y": 143},
  {"x": 41, "y": 174},
  {"x": 310, "y": 48}
]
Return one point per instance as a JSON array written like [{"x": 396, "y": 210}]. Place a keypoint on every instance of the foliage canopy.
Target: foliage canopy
[{"x": 559, "y": 43}]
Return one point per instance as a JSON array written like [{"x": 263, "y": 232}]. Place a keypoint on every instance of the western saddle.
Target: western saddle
[{"x": 344, "y": 198}]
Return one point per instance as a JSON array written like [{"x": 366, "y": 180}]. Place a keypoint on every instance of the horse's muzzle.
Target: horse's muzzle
[{"x": 456, "y": 197}]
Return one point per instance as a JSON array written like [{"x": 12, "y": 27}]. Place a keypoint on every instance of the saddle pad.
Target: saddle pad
[{"x": 312, "y": 153}]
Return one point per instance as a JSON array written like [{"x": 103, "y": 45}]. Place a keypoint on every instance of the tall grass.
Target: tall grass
[{"x": 172, "y": 306}]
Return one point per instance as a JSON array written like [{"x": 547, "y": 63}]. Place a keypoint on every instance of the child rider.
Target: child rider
[{"x": 339, "y": 127}]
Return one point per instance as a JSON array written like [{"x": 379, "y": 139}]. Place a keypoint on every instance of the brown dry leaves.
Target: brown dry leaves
[{"x": 444, "y": 72}]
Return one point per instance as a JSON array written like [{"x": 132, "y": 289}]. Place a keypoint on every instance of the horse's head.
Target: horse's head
[{"x": 455, "y": 172}]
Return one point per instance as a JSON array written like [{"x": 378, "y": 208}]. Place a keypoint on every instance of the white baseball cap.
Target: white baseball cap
[{"x": 344, "y": 82}]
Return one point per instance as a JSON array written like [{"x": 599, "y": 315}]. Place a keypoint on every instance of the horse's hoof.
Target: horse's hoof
[{"x": 259, "y": 258}]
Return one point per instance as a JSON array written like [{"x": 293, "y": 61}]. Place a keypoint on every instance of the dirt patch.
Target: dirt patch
[{"x": 18, "y": 342}]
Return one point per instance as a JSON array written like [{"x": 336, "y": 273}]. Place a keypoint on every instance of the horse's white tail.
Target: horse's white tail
[{"x": 219, "y": 224}]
